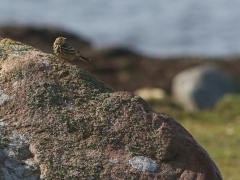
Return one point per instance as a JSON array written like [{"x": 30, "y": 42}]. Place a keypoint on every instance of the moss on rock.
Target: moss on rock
[{"x": 75, "y": 124}]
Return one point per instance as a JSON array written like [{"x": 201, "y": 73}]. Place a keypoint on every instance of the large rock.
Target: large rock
[
  {"x": 201, "y": 87},
  {"x": 58, "y": 121}
]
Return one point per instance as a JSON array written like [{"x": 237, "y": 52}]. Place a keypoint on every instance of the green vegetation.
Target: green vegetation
[{"x": 217, "y": 130}]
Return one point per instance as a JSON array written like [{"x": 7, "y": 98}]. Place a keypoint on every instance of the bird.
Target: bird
[{"x": 65, "y": 51}]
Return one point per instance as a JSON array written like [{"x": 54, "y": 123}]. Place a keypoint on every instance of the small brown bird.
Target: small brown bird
[{"x": 65, "y": 51}]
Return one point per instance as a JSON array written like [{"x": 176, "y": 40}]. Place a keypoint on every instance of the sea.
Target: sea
[{"x": 157, "y": 28}]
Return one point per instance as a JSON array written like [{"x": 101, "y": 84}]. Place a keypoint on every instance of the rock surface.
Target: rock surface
[
  {"x": 201, "y": 87},
  {"x": 64, "y": 123}
]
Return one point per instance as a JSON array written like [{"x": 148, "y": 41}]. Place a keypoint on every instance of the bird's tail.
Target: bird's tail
[{"x": 84, "y": 58}]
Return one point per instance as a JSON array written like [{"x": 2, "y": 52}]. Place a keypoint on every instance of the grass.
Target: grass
[{"x": 217, "y": 130}]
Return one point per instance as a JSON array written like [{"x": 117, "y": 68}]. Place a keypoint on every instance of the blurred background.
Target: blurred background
[
  {"x": 156, "y": 28},
  {"x": 160, "y": 50}
]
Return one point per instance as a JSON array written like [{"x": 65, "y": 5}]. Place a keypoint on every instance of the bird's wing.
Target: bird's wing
[{"x": 66, "y": 48}]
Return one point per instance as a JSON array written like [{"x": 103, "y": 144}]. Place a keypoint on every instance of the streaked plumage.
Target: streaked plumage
[{"x": 65, "y": 51}]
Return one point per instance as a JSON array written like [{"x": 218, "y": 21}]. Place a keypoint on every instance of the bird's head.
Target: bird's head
[{"x": 60, "y": 40}]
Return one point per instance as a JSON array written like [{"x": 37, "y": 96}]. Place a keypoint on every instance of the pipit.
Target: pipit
[{"x": 65, "y": 51}]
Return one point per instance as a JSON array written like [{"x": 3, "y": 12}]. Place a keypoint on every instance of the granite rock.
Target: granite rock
[{"x": 64, "y": 123}]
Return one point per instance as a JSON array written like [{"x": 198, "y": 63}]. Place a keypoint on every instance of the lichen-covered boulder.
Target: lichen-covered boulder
[{"x": 58, "y": 121}]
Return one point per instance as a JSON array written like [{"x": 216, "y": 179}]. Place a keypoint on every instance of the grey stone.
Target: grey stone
[
  {"x": 143, "y": 163},
  {"x": 201, "y": 87}
]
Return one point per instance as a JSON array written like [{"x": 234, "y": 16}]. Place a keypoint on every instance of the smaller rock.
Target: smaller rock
[
  {"x": 149, "y": 93},
  {"x": 201, "y": 87},
  {"x": 143, "y": 163}
]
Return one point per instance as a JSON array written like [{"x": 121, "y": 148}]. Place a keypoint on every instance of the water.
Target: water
[{"x": 155, "y": 28}]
